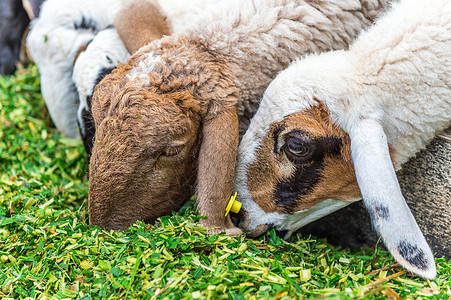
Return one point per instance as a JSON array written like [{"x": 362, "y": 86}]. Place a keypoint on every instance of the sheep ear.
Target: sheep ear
[
  {"x": 217, "y": 158},
  {"x": 384, "y": 201},
  {"x": 139, "y": 23}
]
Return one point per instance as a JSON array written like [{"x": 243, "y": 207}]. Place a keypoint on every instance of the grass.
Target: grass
[{"x": 48, "y": 251}]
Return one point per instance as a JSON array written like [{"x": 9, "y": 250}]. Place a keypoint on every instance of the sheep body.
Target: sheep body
[
  {"x": 182, "y": 13},
  {"x": 214, "y": 72},
  {"x": 390, "y": 88},
  {"x": 263, "y": 38}
]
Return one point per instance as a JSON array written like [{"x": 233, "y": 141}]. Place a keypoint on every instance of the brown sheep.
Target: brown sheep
[{"x": 169, "y": 120}]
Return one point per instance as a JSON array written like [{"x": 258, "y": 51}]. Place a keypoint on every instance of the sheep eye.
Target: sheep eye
[
  {"x": 172, "y": 150},
  {"x": 296, "y": 149}
]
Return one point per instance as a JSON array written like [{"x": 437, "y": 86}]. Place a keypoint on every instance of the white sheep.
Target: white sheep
[
  {"x": 172, "y": 113},
  {"x": 56, "y": 37},
  {"x": 369, "y": 108}
]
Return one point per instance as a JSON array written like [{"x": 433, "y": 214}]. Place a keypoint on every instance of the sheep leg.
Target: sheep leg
[{"x": 217, "y": 159}]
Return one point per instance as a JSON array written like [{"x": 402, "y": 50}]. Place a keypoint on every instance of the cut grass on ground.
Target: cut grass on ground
[{"x": 48, "y": 251}]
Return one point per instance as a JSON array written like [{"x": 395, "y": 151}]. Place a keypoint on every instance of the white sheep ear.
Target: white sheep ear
[{"x": 384, "y": 201}]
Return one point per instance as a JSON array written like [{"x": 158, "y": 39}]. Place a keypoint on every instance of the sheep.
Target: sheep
[
  {"x": 333, "y": 128},
  {"x": 64, "y": 28},
  {"x": 101, "y": 56},
  {"x": 14, "y": 19},
  {"x": 169, "y": 120}
]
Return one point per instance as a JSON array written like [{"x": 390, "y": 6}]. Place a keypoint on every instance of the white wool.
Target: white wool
[
  {"x": 104, "y": 52},
  {"x": 262, "y": 37},
  {"x": 182, "y": 14}
]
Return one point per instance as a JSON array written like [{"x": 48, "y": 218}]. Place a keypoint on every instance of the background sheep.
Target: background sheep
[
  {"x": 14, "y": 19},
  {"x": 370, "y": 108},
  {"x": 171, "y": 113},
  {"x": 63, "y": 29}
]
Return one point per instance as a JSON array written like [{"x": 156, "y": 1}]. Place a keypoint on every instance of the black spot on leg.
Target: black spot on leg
[
  {"x": 413, "y": 255},
  {"x": 379, "y": 212}
]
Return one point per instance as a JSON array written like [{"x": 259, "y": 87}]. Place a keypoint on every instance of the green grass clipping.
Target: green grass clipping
[{"x": 48, "y": 250}]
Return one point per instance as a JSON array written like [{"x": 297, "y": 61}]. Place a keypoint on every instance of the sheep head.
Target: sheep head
[
  {"x": 312, "y": 149},
  {"x": 301, "y": 164},
  {"x": 143, "y": 162}
]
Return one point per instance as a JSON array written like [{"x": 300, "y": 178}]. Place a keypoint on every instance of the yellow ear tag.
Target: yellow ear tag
[{"x": 233, "y": 205}]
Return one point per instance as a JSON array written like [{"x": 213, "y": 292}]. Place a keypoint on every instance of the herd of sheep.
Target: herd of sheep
[{"x": 302, "y": 107}]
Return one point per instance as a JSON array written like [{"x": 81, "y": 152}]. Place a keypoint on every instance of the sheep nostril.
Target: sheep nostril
[{"x": 236, "y": 218}]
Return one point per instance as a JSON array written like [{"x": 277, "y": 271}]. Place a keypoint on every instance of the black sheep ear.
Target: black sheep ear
[
  {"x": 384, "y": 201},
  {"x": 32, "y": 7}
]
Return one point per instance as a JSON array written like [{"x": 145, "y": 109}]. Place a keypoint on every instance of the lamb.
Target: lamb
[
  {"x": 64, "y": 29},
  {"x": 425, "y": 180},
  {"x": 333, "y": 128},
  {"x": 172, "y": 115}
]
